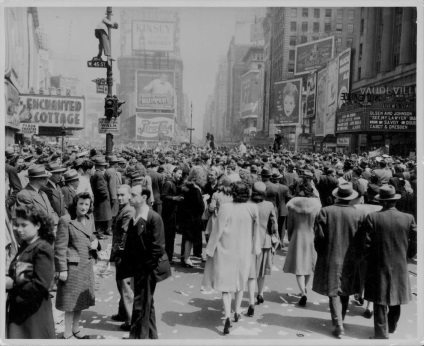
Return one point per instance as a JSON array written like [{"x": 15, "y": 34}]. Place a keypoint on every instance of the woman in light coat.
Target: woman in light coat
[{"x": 233, "y": 241}]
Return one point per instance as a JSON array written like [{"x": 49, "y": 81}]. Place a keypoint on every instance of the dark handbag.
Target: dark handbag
[
  {"x": 163, "y": 270},
  {"x": 93, "y": 253},
  {"x": 24, "y": 272}
]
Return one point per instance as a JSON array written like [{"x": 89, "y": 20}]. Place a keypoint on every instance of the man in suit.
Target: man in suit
[
  {"x": 53, "y": 190},
  {"x": 14, "y": 181},
  {"x": 145, "y": 259},
  {"x": 158, "y": 180},
  {"x": 33, "y": 195},
  {"x": 326, "y": 186},
  {"x": 120, "y": 228},
  {"x": 390, "y": 237},
  {"x": 113, "y": 181},
  {"x": 69, "y": 191},
  {"x": 272, "y": 191},
  {"x": 290, "y": 176}
]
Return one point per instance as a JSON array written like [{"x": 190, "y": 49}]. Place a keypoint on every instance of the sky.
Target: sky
[{"x": 205, "y": 36}]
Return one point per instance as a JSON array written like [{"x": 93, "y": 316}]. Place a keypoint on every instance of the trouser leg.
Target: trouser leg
[
  {"x": 393, "y": 317},
  {"x": 344, "y": 300},
  {"x": 281, "y": 228},
  {"x": 169, "y": 239},
  {"x": 336, "y": 311},
  {"x": 125, "y": 292},
  {"x": 101, "y": 227},
  {"x": 380, "y": 322}
]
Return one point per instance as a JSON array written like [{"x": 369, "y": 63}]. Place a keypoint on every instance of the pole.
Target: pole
[
  {"x": 109, "y": 80},
  {"x": 63, "y": 136},
  {"x": 191, "y": 120}
]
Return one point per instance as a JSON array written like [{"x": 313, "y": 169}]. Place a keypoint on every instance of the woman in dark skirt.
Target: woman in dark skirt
[
  {"x": 74, "y": 240},
  {"x": 29, "y": 308}
]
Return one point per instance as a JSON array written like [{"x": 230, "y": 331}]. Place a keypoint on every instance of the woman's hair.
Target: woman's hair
[
  {"x": 198, "y": 176},
  {"x": 257, "y": 196},
  {"x": 224, "y": 186},
  {"x": 86, "y": 165},
  {"x": 241, "y": 192},
  {"x": 38, "y": 216},
  {"x": 290, "y": 90},
  {"x": 73, "y": 207}
]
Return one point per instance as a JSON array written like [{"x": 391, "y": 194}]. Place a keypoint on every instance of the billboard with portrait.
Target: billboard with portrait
[
  {"x": 321, "y": 103},
  {"x": 154, "y": 126},
  {"x": 249, "y": 94},
  {"x": 155, "y": 89},
  {"x": 332, "y": 87},
  {"x": 312, "y": 55},
  {"x": 311, "y": 91},
  {"x": 153, "y": 35},
  {"x": 344, "y": 75},
  {"x": 288, "y": 96}
]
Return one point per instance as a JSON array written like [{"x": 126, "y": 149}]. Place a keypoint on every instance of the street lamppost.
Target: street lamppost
[
  {"x": 191, "y": 129},
  {"x": 63, "y": 133}
]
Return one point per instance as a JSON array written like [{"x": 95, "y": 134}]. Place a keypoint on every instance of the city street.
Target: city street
[{"x": 184, "y": 311}]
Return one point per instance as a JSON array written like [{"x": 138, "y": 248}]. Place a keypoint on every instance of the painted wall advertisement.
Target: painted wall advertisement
[
  {"x": 153, "y": 35},
  {"x": 313, "y": 55},
  {"x": 311, "y": 91},
  {"x": 321, "y": 103},
  {"x": 249, "y": 94},
  {"x": 344, "y": 75},
  {"x": 332, "y": 96},
  {"x": 53, "y": 111},
  {"x": 155, "y": 89},
  {"x": 154, "y": 126},
  {"x": 288, "y": 101}
]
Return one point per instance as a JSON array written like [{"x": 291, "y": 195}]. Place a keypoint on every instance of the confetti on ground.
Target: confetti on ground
[
  {"x": 180, "y": 315},
  {"x": 174, "y": 331},
  {"x": 209, "y": 308},
  {"x": 178, "y": 302},
  {"x": 181, "y": 292},
  {"x": 285, "y": 301},
  {"x": 315, "y": 303},
  {"x": 289, "y": 289},
  {"x": 95, "y": 321},
  {"x": 285, "y": 305}
]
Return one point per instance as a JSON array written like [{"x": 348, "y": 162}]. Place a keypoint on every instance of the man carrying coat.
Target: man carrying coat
[{"x": 390, "y": 237}]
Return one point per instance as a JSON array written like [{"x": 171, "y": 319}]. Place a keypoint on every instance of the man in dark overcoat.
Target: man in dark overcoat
[
  {"x": 113, "y": 181},
  {"x": 53, "y": 190},
  {"x": 69, "y": 191},
  {"x": 390, "y": 237},
  {"x": 101, "y": 207},
  {"x": 326, "y": 186},
  {"x": 272, "y": 190},
  {"x": 335, "y": 229}
]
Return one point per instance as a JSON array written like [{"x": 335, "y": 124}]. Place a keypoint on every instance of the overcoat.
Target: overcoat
[
  {"x": 233, "y": 241},
  {"x": 283, "y": 195},
  {"x": 335, "y": 230},
  {"x": 15, "y": 184},
  {"x": 325, "y": 187},
  {"x": 271, "y": 193},
  {"x": 120, "y": 228},
  {"x": 113, "y": 182},
  {"x": 102, "y": 210},
  {"x": 30, "y": 314},
  {"x": 390, "y": 238},
  {"x": 68, "y": 196},
  {"x": 56, "y": 198},
  {"x": 191, "y": 209}
]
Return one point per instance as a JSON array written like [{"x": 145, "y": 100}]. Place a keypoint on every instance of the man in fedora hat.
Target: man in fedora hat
[
  {"x": 33, "y": 195},
  {"x": 69, "y": 191},
  {"x": 390, "y": 237},
  {"x": 326, "y": 186},
  {"x": 53, "y": 190},
  {"x": 335, "y": 229},
  {"x": 14, "y": 181},
  {"x": 383, "y": 173},
  {"x": 272, "y": 190},
  {"x": 113, "y": 182},
  {"x": 290, "y": 176}
]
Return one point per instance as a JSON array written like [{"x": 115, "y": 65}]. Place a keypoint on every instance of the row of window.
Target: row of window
[
  {"x": 304, "y": 39},
  {"x": 317, "y": 13},
  {"x": 316, "y": 27}
]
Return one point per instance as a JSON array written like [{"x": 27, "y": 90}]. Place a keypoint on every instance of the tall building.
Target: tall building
[{"x": 220, "y": 94}]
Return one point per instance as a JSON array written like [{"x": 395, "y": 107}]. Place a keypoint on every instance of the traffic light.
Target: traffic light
[
  {"x": 109, "y": 107},
  {"x": 118, "y": 105}
]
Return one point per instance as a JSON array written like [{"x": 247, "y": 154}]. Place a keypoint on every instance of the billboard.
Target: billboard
[
  {"x": 344, "y": 75},
  {"x": 155, "y": 89},
  {"x": 288, "y": 95},
  {"x": 53, "y": 111},
  {"x": 332, "y": 96},
  {"x": 249, "y": 94},
  {"x": 153, "y": 35},
  {"x": 312, "y": 55},
  {"x": 321, "y": 103},
  {"x": 154, "y": 126},
  {"x": 311, "y": 91}
]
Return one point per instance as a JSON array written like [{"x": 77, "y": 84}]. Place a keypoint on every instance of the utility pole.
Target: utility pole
[
  {"x": 109, "y": 81},
  {"x": 63, "y": 133},
  {"x": 191, "y": 129}
]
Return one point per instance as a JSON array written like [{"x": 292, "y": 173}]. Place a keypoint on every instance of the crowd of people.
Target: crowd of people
[{"x": 350, "y": 222}]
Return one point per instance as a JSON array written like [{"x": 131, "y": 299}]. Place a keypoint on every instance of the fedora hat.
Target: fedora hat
[
  {"x": 37, "y": 172},
  {"x": 100, "y": 161},
  {"x": 387, "y": 193},
  {"x": 345, "y": 191},
  {"x": 306, "y": 174},
  {"x": 28, "y": 157},
  {"x": 113, "y": 159},
  {"x": 84, "y": 153},
  {"x": 54, "y": 167},
  {"x": 10, "y": 152},
  {"x": 276, "y": 175},
  {"x": 265, "y": 172},
  {"x": 259, "y": 186},
  {"x": 71, "y": 175}
]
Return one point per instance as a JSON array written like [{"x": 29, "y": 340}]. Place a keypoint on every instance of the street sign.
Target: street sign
[
  {"x": 101, "y": 89},
  {"x": 100, "y": 81},
  {"x": 28, "y": 128},
  {"x": 106, "y": 126},
  {"x": 97, "y": 63}
]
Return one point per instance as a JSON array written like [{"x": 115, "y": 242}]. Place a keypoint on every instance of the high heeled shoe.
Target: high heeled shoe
[
  {"x": 251, "y": 311},
  {"x": 227, "y": 326},
  {"x": 236, "y": 317},
  {"x": 260, "y": 299}
]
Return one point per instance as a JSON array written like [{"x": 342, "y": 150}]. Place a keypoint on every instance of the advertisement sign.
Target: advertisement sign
[
  {"x": 249, "y": 94},
  {"x": 343, "y": 141},
  {"x": 313, "y": 55},
  {"x": 155, "y": 89},
  {"x": 392, "y": 120},
  {"x": 153, "y": 35},
  {"x": 257, "y": 31},
  {"x": 311, "y": 91},
  {"x": 353, "y": 121},
  {"x": 53, "y": 111},
  {"x": 108, "y": 126},
  {"x": 154, "y": 126},
  {"x": 29, "y": 129},
  {"x": 332, "y": 96},
  {"x": 14, "y": 111},
  {"x": 321, "y": 103},
  {"x": 288, "y": 96},
  {"x": 344, "y": 76}
]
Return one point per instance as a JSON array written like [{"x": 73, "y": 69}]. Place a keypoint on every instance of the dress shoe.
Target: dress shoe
[
  {"x": 78, "y": 336},
  {"x": 260, "y": 299},
  {"x": 392, "y": 329},
  {"x": 302, "y": 301},
  {"x": 236, "y": 317},
  {"x": 117, "y": 318},
  {"x": 188, "y": 264},
  {"x": 125, "y": 326},
  {"x": 338, "y": 332},
  {"x": 227, "y": 326},
  {"x": 251, "y": 311},
  {"x": 367, "y": 313}
]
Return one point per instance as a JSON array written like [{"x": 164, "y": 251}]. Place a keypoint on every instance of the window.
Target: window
[
  {"x": 291, "y": 54},
  {"x": 350, "y": 28},
  {"x": 350, "y": 14},
  {"x": 292, "y": 40},
  {"x": 291, "y": 67},
  {"x": 292, "y": 26},
  {"x": 349, "y": 42},
  {"x": 360, "y": 51},
  {"x": 303, "y": 39},
  {"x": 339, "y": 13},
  {"x": 327, "y": 27},
  {"x": 316, "y": 26},
  {"x": 328, "y": 12},
  {"x": 359, "y": 73},
  {"x": 305, "y": 26},
  {"x": 362, "y": 26},
  {"x": 338, "y": 42},
  {"x": 316, "y": 12},
  {"x": 315, "y": 38},
  {"x": 305, "y": 12},
  {"x": 339, "y": 27},
  {"x": 293, "y": 12}
]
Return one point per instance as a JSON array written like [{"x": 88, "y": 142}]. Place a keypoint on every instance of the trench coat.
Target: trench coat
[
  {"x": 233, "y": 241},
  {"x": 335, "y": 230},
  {"x": 101, "y": 207},
  {"x": 113, "y": 182}
]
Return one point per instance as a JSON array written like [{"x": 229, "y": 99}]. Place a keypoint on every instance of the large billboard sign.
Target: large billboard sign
[
  {"x": 332, "y": 96},
  {"x": 153, "y": 35},
  {"x": 249, "y": 94},
  {"x": 344, "y": 75},
  {"x": 155, "y": 90},
  {"x": 321, "y": 104},
  {"x": 154, "y": 126},
  {"x": 311, "y": 93},
  {"x": 54, "y": 111},
  {"x": 312, "y": 55},
  {"x": 288, "y": 96}
]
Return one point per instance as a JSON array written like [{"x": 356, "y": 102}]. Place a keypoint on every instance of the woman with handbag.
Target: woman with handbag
[
  {"x": 75, "y": 240},
  {"x": 29, "y": 308}
]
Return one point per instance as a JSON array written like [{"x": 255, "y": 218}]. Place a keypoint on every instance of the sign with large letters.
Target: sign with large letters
[{"x": 154, "y": 126}]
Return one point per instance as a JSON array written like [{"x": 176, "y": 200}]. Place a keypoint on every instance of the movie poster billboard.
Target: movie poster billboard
[
  {"x": 249, "y": 94},
  {"x": 312, "y": 55},
  {"x": 155, "y": 90},
  {"x": 321, "y": 103},
  {"x": 344, "y": 75},
  {"x": 154, "y": 126},
  {"x": 153, "y": 35},
  {"x": 332, "y": 96},
  {"x": 311, "y": 91},
  {"x": 288, "y": 95}
]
